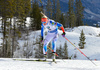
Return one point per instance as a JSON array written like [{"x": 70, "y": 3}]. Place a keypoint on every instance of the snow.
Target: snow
[
  {"x": 10, "y": 64},
  {"x": 88, "y": 30},
  {"x": 27, "y": 21}
]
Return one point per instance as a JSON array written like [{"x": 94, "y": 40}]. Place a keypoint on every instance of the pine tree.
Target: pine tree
[
  {"x": 65, "y": 51},
  {"x": 62, "y": 19},
  {"x": 54, "y": 9},
  {"x": 49, "y": 9},
  {"x": 97, "y": 25},
  {"x": 27, "y": 6},
  {"x": 35, "y": 17},
  {"x": 82, "y": 40},
  {"x": 19, "y": 13},
  {"x": 58, "y": 11},
  {"x": 71, "y": 15},
  {"x": 79, "y": 12},
  {"x": 49, "y": 52},
  {"x": 27, "y": 9},
  {"x": 60, "y": 51},
  {"x": 41, "y": 6},
  {"x": 39, "y": 49},
  {"x": 6, "y": 9},
  {"x": 66, "y": 20}
]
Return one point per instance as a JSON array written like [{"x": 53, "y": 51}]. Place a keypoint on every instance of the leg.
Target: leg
[
  {"x": 54, "y": 43},
  {"x": 47, "y": 40},
  {"x": 54, "y": 46}
]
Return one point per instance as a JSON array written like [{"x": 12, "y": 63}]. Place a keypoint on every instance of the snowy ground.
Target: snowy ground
[{"x": 9, "y": 64}]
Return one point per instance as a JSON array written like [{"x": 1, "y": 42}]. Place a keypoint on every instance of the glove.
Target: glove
[{"x": 63, "y": 34}]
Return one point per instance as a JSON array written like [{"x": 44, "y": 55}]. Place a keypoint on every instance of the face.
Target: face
[{"x": 44, "y": 21}]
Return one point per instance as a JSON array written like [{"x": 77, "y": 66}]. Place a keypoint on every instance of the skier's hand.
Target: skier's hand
[
  {"x": 41, "y": 40},
  {"x": 63, "y": 34}
]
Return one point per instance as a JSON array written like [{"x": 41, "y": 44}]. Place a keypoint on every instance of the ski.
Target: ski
[{"x": 38, "y": 60}]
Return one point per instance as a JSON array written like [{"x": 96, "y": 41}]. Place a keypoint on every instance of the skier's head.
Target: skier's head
[{"x": 44, "y": 19}]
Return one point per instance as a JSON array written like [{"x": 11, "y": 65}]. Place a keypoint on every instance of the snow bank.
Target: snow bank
[{"x": 88, "y": 30}]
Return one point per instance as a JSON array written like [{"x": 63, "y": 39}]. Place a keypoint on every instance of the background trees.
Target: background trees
[
  {"x": 13, "y": 13},
  {"x": 74, "y": 16}
]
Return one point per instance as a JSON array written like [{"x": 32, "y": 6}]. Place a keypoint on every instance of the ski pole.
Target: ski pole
[
  {"x": 55, "y": 53},
  {"x": 52, "y": 50},
  {"x": 80, "y": 51}
]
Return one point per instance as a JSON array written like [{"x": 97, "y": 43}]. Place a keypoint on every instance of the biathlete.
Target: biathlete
[{"x": 52, "y": 34}]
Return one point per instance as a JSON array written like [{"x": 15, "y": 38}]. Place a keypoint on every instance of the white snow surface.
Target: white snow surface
[{"x": 10, "y": 64}]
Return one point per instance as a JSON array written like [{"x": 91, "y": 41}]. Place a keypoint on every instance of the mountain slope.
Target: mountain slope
[
  {"x": 91, "y": 11},
  {"x": 91, "y": 49}
]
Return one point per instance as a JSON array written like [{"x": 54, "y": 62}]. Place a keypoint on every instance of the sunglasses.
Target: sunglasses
[{"x": 43, "y": 22}]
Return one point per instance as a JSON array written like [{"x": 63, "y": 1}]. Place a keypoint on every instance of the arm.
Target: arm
[
  {"x": 61, "y": 26},
  {"x": 42, "y": 30}
]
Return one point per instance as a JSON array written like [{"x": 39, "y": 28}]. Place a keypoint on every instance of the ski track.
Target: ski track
[{"x": 9, "y": 64}]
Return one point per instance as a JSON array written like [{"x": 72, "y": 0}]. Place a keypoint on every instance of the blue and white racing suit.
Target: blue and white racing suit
[{"x": 52, "y": 34}]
